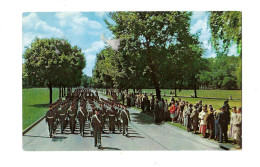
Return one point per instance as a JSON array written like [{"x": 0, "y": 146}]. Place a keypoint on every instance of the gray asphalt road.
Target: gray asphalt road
[{"x": 143, "y": 135}]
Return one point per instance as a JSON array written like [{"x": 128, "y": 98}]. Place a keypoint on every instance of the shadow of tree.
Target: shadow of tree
[
  {"x": 135, "y": 136},
  {"x": 142, "y": 118},
  {"x": 58, "y": 138},
  {"x": 109, "y": 148},
  {"x": 40, "y": 105}
]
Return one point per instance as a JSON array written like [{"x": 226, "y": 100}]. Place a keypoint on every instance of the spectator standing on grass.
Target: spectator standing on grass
[
  {"x": 166, "y": 110},
  {"x": 156, "y": 111},
  {"x": 224, "y": 119},
  {"x": 200, "y": 106},
  {"x": 210, "y": 123},
  {"x": 232, "y": 123},
  {"x": 203, "y": 124},
  {"x": 172, "y": 111},
  {"x": 185, "y": 114},
  {"x": 195, "y": 118},
  {"x": 182, "y": 105},
  {"x": 177, "y": 109},
  {"x": 216, "y": 119},
  {"x": 161, "y": 107},
  {"x": 189, "y": 111},
  {"x": 238, "y": 127},
  {"x": 152, "y": 103}
]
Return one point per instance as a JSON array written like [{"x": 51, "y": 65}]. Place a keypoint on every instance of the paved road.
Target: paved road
[{"x": 143, "y": 135}]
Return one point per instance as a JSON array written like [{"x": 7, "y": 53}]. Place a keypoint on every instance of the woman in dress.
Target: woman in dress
[
  {"x": 203, "y": 124},
  {"x": 232, "y": 123}
]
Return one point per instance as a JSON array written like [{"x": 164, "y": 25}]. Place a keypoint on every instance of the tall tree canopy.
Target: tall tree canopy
[
  {"x": 226, "y": 30},
  {"x": 152, "y": 40},
  {"x": 53, "y": 62}
]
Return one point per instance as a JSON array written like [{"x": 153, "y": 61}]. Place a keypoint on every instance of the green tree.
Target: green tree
[
  {"x": 226, "y": 30},
  {"x": 147, "y": 36},
  {"x": 53, "y": 62}
]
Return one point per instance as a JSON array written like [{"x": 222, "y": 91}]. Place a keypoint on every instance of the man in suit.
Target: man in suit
[
  {"x": 224, "y": 119},
  {"x": 195, "y": 118}
]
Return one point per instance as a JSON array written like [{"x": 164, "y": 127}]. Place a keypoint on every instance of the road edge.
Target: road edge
[{"x": 33, "y": 125}]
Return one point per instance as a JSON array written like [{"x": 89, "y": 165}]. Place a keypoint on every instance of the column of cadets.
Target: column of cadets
[{"x": 85, "y": 108}]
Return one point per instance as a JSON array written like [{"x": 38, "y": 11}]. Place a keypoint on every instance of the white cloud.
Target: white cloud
[
  {"x": 33, "y": 27},
  {"x": 233, "y": 50},
  {"x": 100, "y": 14},
  {"x": 91, "y": 55},
  {"x": 198, "y": 14},
  {"x": 114, "y": 43},
  {"x": 76, "y": 21},
  {"x": 33, "y": 22},
  {"x": 95, "y": 47}
]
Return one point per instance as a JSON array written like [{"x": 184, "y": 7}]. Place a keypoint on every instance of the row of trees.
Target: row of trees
[
  {"x": 221, "y": 73},
  {"x": 53, "y": 63},
  {"x": 156, "y": 51}
]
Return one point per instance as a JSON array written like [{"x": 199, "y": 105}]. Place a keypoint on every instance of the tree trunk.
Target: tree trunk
[
  {"x": 65, "y": 91},
  {"x": 134, "y": 91},
  {"x": 175, "y": 90},
  {"x": 195, "y": 89},
  {"x": 50, "y": 89},
  {"x": 156, "y": 85},
  {"x": 59, "y": 92}
]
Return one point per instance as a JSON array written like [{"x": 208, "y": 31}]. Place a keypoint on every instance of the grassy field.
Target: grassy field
[
  {"x": 35, "y": 103},
  {"x": 236, "y": 94},
  {"x": 214, "y": 102},
  {"x": 217, "y": 103}
]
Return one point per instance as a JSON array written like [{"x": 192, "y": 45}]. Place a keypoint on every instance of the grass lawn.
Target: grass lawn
[
  {"x": 214, "y": 102},
  {"x": 236, "y": 94},
  {"x": 35, "y": 103},
  {"x": 204, "y": 93}
]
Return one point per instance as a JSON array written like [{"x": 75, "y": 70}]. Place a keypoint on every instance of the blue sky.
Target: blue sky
[{"x": 85, "y": 29}]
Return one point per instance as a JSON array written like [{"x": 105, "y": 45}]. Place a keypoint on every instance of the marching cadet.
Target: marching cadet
[
  {"x": 118, "y": 118},
  {"x": 62, "y": 116},
  {"x": 125, "y": 116},
  {"x": 97, "y": 128},
  {"x": 81, "y": 117},
  {"x": 72, "y": 116},
  {"x": 50, "y": 117},
  {"x": 103, "y": 116},
  {"x": 111, "y": 116}
]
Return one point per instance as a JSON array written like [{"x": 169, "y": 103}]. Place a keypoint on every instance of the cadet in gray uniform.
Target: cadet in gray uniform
[
  {"x": 125, "y": 116},
  {"x": 97, "y": 128}
]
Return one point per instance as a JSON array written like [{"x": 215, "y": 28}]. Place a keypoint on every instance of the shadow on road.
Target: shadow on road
[
  {"x": 58, "y": 138},
  {"x": 36, "y": 136},
  {"x": 142, "y": 118},
  {"x": 109, "y": 148},
  {"x": 53, "y": 138},
  {"x": 135, "y": 137}
]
